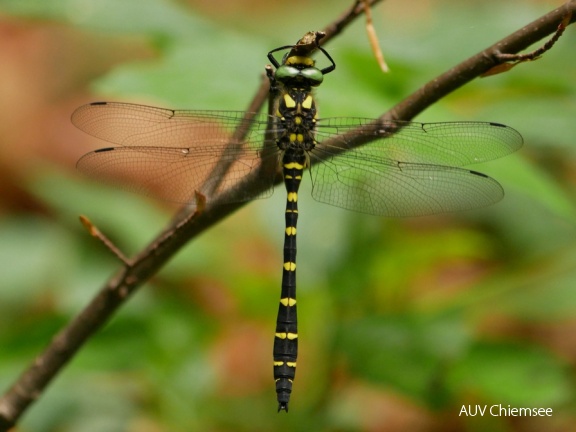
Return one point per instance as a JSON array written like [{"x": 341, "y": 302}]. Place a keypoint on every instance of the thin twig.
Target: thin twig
[
  {"x": 30, "y": 385},
  {"x": 96, "y": 233},
  {"x": 505, "y": 66},
  {"x": 373, "y": 38}
]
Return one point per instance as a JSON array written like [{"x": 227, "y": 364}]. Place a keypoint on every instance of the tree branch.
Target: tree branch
[{"x": 30, "y": 385}]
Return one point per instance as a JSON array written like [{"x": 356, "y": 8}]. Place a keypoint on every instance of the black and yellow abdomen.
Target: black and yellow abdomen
[
  {"x": 296, "y": 114},
  {"x": 286, "y": 337}
]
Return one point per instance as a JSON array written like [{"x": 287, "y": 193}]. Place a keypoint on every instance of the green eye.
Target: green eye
[
  {"x": 313, "y": 74},
  {"x": 286, "y": 72}
]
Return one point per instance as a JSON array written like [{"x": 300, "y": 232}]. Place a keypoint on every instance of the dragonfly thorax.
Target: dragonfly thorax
[{"x": 297, "y": 119}]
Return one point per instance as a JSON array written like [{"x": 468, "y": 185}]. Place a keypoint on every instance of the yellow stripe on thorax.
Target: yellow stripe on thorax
[
  {"x": 290, "y": 103},
  {"x": 307, "y": 103}
]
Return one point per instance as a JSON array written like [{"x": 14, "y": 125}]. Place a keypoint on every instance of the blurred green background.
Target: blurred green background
[{"x": 402, "y": 322}]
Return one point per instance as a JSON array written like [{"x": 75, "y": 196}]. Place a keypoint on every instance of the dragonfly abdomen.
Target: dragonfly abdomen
[{"x": 286, "y": 336}]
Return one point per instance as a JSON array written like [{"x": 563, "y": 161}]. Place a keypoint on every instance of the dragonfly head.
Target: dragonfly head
[{"x": 297, "y": 67}]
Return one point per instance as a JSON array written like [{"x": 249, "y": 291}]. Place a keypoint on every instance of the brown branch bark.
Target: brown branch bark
[{"x": 30, "y": 385}]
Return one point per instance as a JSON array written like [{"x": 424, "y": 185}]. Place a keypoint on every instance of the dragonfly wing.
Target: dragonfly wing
[
  {"x": 140, "y": 125},
  {"x": 171, "y": 154},
  {"x": 451, "y": 144},
  {"x": 399, "y": 189},
  {"x": 175, "y": 174}
]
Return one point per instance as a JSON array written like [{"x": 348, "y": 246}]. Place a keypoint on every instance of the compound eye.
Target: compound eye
[
  {"x": 313, "y": 75},
  {"x": 284, "y": 73}
]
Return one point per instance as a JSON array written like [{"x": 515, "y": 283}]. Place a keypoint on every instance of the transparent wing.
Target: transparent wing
[
  {"x": 175, "y": 174},
  {"x": 409, "y": 169},
  {"x": 401, "y": 189},
  {"x": 140, "y": 125},
  {"x": 172, "y": 154},
  {"x": 449, "y": 143}
]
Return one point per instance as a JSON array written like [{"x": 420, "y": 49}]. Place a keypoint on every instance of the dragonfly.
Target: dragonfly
[{"x": 387, "y": 168}]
